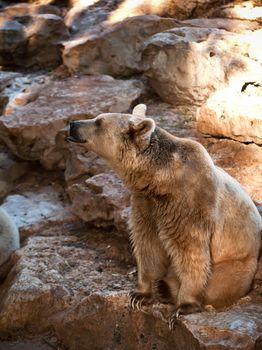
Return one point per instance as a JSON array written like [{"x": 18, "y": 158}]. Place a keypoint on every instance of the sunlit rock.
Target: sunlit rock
[
  {"x": 236, "y": 115},
  {"x": 113, "y": 49},
  {"x": 187, "y": 65}
]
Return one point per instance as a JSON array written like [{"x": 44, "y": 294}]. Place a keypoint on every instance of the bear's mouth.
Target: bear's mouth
[
  {"x": 74, "y": 135},
  {"x": 73, "y": 139}
]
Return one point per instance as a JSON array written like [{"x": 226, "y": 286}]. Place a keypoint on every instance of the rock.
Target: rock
[
  {"x": 32, "y": 41},
  {"x": 102, "y": 200},
  {"x": 167, "y": 8},
  {"x": 25, "y": 9},
  {"x": 229, "y": 24},
  {"x": 82, "y": 164},
  {"x": 237, "y": 328},
  {"x": 34, "y": 211},
  {"x": 250, "y": 10},
  {"x": 236, "y": 115},
  {"x": 31, "y": 131},
  {"x": 11, "y": 169},
  {"x": 20, "y": 90},
  {"x": 6, "y": 78},
  {"x": 38, "y": 203},
  {"x": 56, "y": 270},
  {"x": 37, "y": 343},
  {"x": 113, "y": 50},
  {"x": 12, "y": 42},
  {"x": 75, "y": 280},
  {"x": 186, "y": 65},
  {"x": 242, "y": 161},
  {"x": 80, "y": 20}
]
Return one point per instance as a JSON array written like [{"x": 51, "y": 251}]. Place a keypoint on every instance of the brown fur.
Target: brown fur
[{"x": 195, "y": 232}]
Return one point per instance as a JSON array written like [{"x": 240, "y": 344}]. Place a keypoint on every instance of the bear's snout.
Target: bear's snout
[{"x": 74, "y": 135}]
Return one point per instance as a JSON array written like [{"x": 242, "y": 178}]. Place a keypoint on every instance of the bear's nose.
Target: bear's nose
[{"x": 72, "y": 124}]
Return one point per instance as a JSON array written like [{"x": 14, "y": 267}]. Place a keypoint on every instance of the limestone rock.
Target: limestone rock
[
  {"x": 102, "y": 200},
  {"x": 242, "y": 161},
  {"x": 186, "y": 65},
  {"x": 234, "y": 115},
  {"x": 82, "y": 164},
  {"x": 6, "y": 79},
  {"x": 57, "y": 269},
  {"x": 80, "y": 19},
  {"x": 179, "y": 9},
  {"x": 31, "y": 130},
  {"x": 19, "y": 89},
  {"x": 38, "y": 208},
  {"x": 229, "y": 24},
  {"x": 250, "y": 10},
  {"x": 113, "y": 49},
  {"x": 12, "y": 42},
  {"x": 24, "y": 9},
  {"x": 27, "y": 41},
  {"x": 75, "y": 280}
]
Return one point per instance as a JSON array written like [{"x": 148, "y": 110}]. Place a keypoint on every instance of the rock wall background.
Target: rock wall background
[{"x": 197, "y": 65}]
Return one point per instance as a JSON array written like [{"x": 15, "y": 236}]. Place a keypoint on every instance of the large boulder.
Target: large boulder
[
  {"x": 31, "y": 128},
  {"x": 32, "y": 40},
  {"x": 186, "y": 65},
  {"x": 113, "y": 49},
  {"x": 236, "y": 115}
]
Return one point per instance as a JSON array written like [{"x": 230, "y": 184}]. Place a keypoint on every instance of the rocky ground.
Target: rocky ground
[{"x": 197, "y": 65}]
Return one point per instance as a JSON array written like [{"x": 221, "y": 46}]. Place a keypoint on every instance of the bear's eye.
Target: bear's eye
[{"x": 98, "y": 122}]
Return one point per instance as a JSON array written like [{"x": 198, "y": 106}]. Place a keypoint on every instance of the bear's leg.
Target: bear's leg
[
  {"x": 166, "y": 290},
  {"x": 192, "y": 265},
  {"x": 229, "y": 281},
  {"x": 151, "y": 267}
]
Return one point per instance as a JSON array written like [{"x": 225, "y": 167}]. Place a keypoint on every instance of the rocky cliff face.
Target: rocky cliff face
[{"x": 197, "y": 65}]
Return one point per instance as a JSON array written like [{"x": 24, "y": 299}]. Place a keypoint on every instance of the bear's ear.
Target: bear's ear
[
  {"x": 139, "y": 110},
  {"x": 142, "y": 128}
]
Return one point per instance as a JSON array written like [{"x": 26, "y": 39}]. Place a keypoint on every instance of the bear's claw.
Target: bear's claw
[
  {"x": 137, "y": 300},
  {"x": 184, "y": 309}
]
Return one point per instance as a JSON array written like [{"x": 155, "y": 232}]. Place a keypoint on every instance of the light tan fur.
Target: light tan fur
[
  {"x": 195, "y": 232},
  {"x": 9, "y": 242}
]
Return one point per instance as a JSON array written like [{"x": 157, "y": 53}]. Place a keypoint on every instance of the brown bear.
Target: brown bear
[{"x": 195, "y": 232}]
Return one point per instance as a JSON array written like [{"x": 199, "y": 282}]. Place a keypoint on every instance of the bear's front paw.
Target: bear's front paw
[
  {"x": 137, "y": 300},
  {"x": 183, "y": 309}
]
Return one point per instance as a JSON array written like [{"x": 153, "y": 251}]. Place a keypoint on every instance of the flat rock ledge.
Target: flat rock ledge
[{"x": 74, "y": 282}]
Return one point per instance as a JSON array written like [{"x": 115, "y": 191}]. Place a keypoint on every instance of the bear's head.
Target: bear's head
[{"x": 114, "y": 136}]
